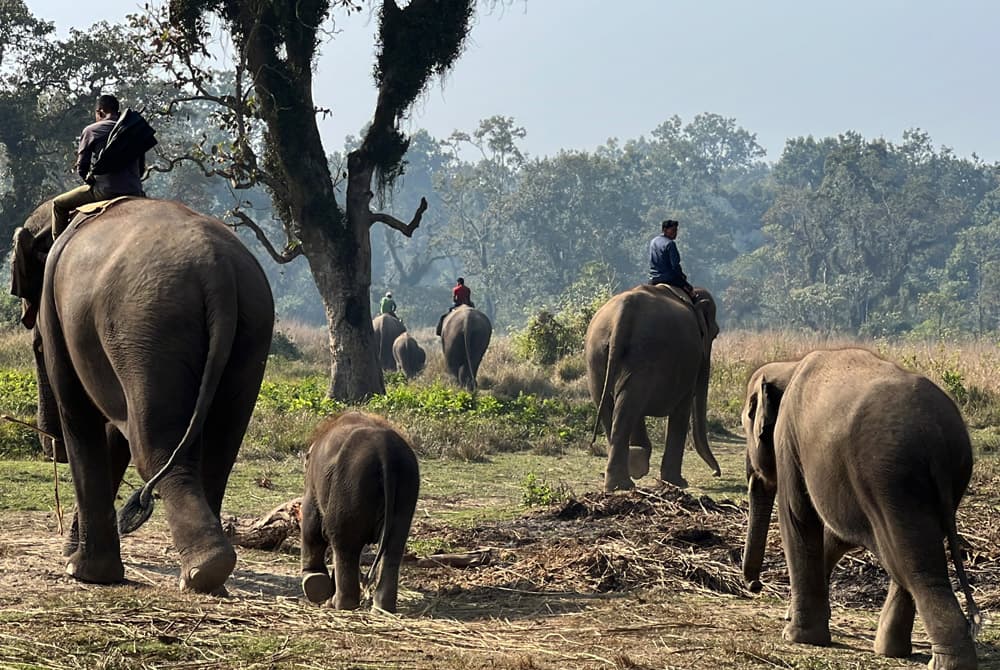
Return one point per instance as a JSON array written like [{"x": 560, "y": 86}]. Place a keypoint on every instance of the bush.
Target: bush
[
  {"x": 545, "y": 340},
  {"x": 284, "y": 347}
]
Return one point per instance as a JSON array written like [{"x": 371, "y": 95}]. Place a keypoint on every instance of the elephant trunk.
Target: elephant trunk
[
  {"x": 699, "y": 417},
  {"x": 761, "y": 498}
]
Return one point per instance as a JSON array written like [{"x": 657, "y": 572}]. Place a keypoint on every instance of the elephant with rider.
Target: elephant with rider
[
  {"x": 648, "y": 353},
  {"x": 465, "y": 336},
  {"x": 152, "y": 333}
]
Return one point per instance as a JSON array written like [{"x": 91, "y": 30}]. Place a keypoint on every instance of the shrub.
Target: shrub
[
  {"x": 284, "y": 347},
  {"x": 545, "y": 340},
  {"x": 539, "y": 492}
]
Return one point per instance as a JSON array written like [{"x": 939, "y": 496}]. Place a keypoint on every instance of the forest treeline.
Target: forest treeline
[{"x": 842, "y": 234}]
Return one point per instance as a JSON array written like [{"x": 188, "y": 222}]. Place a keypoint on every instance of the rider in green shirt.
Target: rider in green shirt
[{"x": 388, "y": 305}]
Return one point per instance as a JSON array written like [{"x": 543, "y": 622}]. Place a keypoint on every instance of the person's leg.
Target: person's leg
[{"x": 63, "y": 204}]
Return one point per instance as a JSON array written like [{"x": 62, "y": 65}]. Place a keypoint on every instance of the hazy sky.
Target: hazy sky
[{"x": 577, "y": 72}]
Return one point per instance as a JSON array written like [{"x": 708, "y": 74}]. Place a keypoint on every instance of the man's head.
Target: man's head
[
  {"x": 461, "y": 281},
  {"x": 388, "y": 294},
  {"x": 107, "y": 106},
  {"x": 670, "y": 228}
]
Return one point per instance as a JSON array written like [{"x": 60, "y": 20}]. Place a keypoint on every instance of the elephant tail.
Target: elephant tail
[
  {"x": 975, "y": 617},
  {"x": 468, "y": 357},
  {"x": 221, "y": 333},
  {"x": 389, "y": 498},
  {"x": 608, "y": 376}
]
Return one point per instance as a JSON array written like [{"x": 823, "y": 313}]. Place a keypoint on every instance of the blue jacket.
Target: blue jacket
[{"x": 665, "y": 262}]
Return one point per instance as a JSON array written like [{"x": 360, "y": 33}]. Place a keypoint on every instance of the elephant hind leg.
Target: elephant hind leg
[
  {"x": 347, "y": 574},
  {"x": 913, "y": 553},
  {"x": 207, "y": 557},
  {"x": 895, "y": 623}
]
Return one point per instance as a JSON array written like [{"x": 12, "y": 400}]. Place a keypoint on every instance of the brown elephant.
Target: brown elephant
[
  {"x": 648, "y": 352},
  {"x": 387, "y": 328},
  {"x": 861, "y": 453},
  {"x": 153, "y": 329},
  {"x": 409, "y": 355},
  {"x": 362, "y": 482},
  {"x": 465, "y": 336}
]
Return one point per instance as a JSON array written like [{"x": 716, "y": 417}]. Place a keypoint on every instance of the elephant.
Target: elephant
[
  {"x": 387, "y": 328},
  {"x": 152, "y": 333},
  {"x": 648, "y": 352},
  {"x": 409, "y": 355},
  {"x": 465, "y": 335},
  {"x": 361, "y": 485},
  {"x": 860, "y": 453}
]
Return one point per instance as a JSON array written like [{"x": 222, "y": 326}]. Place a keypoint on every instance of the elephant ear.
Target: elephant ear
[
  {"x": 27, "y": 267},
  {"x": 768, "y": 398}
]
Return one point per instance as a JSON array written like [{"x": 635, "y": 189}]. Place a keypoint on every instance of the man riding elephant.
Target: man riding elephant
[{"x": 106, "y": 172}]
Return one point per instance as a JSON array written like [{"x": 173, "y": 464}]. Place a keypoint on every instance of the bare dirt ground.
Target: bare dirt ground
[{"x": 647, "y": 579}]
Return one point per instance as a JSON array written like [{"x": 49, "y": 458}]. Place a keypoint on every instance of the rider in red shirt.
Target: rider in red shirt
[{"x": 461, "y": 295}]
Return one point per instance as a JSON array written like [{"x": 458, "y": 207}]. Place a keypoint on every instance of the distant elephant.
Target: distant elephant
[
  {"x": 153, "y": 329},
  {"x": 465, "y": 335},
  {"x": 409, "y": 355},
  {"x": 649, "y": 353},
  {"x": 387, "y": 328},
  {"x": 362, "y": 481},
  {"x": 860, "y": 453}
]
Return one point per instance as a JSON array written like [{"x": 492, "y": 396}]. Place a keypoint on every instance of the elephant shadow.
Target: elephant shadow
[{"x": 241, "y": 581}]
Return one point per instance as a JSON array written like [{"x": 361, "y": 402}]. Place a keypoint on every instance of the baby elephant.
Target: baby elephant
[
  {"x": 362, "y": 481},
  {"x": 861, "y": 453}
]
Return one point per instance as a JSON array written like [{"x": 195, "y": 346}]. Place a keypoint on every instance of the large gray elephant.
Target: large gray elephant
[
  {"x": 649, "y": 353},
  {"x": 465, "y": 336},
  {"x": 409, "y": 355},
  {"x": 860, "y": 452},
  {"x": 362, "y": 481},
  {"x": 387, "y": 328},
  {"x": 152, "y": 334}
]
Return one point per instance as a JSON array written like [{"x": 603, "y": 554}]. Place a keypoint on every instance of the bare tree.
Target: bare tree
[{"x": 268, "y": 111}]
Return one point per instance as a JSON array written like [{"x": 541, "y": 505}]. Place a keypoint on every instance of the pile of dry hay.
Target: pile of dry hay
[{"x": 652, "y": 537}]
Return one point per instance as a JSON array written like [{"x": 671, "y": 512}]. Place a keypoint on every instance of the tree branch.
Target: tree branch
[
  {"x": 393, "y": 222},
  {"x": 290, "y": 252}
]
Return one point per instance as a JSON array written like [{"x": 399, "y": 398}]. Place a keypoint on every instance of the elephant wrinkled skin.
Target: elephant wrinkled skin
[
  {"x": 861, "y": 453},
  {"x": 362, "y": 482},
  {"x": 387, "y": 328},
  {"x": 153, "y": 331},
  {"x": 646, "y": 355},
  {"x": 465, "y": 336}
]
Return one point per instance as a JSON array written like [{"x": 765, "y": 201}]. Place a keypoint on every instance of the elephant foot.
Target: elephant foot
[
  {"x": 207, "y": 572},
  {"x": 106, "y": 570},
  {"x": 892, "y": 648},
  {"x": 960, "y": 657},
  {"x": 317, "y": 587},
  {"x": 612, "y": 483},
  {"x": 344, "y": 602},
  {"x": 72, "y": 543},
  {"x": 638, "y": 462},
  {"x": 816, "y": 635}
]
